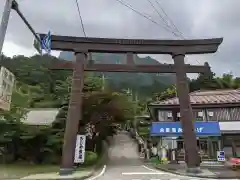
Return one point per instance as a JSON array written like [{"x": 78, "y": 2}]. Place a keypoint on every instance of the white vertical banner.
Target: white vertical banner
[{"x": 80, "y": 149}]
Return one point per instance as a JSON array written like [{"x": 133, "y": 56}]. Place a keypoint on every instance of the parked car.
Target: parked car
[{"x": 233, "y": 163}]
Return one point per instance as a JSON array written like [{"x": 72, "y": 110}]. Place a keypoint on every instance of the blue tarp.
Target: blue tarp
[{"x": 174, "y": 129}]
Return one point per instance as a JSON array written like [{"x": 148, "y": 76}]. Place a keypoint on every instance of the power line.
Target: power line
[
  {"x": 155, "y": 9},
  {"x": 170, "y": 20},
  {"x": 146, "y": 17},
  {"x": 80, "y": 17}
]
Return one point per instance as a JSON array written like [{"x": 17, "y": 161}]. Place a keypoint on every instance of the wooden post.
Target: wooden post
[
  {"x": 130, "y": 60},
  {"x": 189, "y": 136},
  {"x": 74, "y": 116}
]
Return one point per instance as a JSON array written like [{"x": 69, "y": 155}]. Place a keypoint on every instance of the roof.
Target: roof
[
  {"x": 207, "y": 97},
  {"x": 44, "y": 116}
]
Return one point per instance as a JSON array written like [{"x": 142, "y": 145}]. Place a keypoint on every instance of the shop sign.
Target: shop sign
[{"x": 175, "y": 129}]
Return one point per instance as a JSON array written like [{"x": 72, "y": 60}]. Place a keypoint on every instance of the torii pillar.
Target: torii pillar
[
  {"x": 74, "y": 114},
  {"x": 186, "y": 115}
]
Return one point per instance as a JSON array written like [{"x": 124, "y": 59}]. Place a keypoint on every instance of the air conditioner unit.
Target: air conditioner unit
[
  {"x": 210, "y": 114},
  {"x": 169, "y": 114},
  {"x": 178, "y": 114},
  {"x": 200, "y": 114}
]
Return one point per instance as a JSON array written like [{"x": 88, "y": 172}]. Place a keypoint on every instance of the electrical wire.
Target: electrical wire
[
  {"x": 155, "y": 9},
  {"x": 80, "y": 17},
  {"x": 146, "y": 17},
  {"x": 170, "y": 20},
  {"x": 82, "y": 25}
]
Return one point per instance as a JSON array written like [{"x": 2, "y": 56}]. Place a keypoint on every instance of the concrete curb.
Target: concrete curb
[
  {"x": 85, "y": 177},
  {"x": 67, "y": 178},
  {"x": 193, "y": 175},
  {"x": 101, "y": 162},
  {"x": 104, "y": 157}
]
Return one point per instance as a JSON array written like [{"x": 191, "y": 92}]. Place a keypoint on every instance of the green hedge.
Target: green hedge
[
  {"x": 90, "y": 158},
  {"x": 143, "y": 131}
]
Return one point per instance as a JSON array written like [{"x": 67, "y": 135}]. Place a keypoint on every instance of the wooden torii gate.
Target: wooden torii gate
[{"x": 176, "y": 48}]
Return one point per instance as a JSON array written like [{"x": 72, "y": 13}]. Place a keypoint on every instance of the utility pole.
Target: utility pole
[
  {"x": 12, "y": 4},
  {"x": 4, "y": 22}
]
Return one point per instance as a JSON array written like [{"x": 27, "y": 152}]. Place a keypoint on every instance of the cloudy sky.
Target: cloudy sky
[{"x": 108, "y": 18}]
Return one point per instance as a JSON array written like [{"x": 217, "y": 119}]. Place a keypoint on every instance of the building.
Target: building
[
  {"x": 7, "y": 80},
  {"x": 216, "y": 119},
  {"x": 40, "y": 116}
]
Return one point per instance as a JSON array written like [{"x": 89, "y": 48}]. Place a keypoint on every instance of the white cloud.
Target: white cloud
[{"x": 10, "y": 49}]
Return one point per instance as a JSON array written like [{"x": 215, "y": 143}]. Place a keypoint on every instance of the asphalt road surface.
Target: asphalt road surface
[{"x": 124, "y": 164}]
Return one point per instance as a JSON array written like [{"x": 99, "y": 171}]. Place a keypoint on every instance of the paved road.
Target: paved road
[{"x": 124, "y": 164}]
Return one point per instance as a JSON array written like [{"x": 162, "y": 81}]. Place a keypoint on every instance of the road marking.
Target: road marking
[
  {"x": 141, "y": 173},
  {"x": 100, "y": 174},
  {"x": 154, "y": 170}
]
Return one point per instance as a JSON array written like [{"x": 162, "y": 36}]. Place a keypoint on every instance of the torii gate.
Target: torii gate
[{"x": 176, "y": 48}]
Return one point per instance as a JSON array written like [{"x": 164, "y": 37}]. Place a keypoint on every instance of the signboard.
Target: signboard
[
  {"x": 6, "y": 88},
  {"x": 221, "y": 156},
  {"x": 80, "y": 149},
  {"x": 174, "y": 129}
]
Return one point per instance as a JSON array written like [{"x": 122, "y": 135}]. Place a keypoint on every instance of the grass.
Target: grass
[
  {"x": 20, "y": 99},
  {"x": 21, "y": 170},
  {"x": 9, "y": 171}
]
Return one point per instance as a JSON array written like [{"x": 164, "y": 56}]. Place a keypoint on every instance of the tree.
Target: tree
[
  {"x": 168, "y": 93},
  {"x": 204, "y": 81},
  {"x": 100, "y": 110}
]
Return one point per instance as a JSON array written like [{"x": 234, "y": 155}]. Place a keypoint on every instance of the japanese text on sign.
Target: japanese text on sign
[
  {"x": 80, "y": 149},
  {"x": 177, "y": 130}
]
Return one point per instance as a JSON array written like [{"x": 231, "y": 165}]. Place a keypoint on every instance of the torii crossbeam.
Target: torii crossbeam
[
  {"x": 163, "y": 68},
  {"x": 176, "y": 48}
]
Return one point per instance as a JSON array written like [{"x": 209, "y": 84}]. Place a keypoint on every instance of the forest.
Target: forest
[{"x": 103, "y": 106}]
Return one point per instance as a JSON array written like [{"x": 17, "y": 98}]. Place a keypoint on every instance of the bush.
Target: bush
[{"x": 90, "y": 158}]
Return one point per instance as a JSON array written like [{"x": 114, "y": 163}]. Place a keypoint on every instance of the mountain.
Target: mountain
[{"x": 137, "y": 81}]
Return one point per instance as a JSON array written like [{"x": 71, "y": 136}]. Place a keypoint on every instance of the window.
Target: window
[
  {"x": 165, "y": 116},
  {"x": 160, "y": 116}
]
